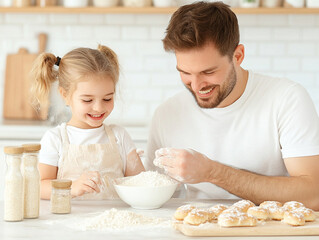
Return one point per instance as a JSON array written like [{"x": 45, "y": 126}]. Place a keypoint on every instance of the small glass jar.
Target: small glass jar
[
  {"x": 46, "y": 3},
  {"x": 13, "y": 193},
  {"x": 61, "y": 196},
  {"x": 137, "y": 3},
  {"x": 271, "y": 3},
  {"x": 21, "y": 3},
  {"x": 31, "y": 180},
  {"x": 105, "y": 3}
]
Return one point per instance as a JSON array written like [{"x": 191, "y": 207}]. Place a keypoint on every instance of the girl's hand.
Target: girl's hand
[{"x": 87, "y": 183}]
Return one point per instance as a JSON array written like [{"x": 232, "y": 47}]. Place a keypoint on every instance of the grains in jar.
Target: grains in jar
[
  {"x": 13, "y": 193},
  {"x": 61, "y": 196},
  {"x": 31, "y": 180}
]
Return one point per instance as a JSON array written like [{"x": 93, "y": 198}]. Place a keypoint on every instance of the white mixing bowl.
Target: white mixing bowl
[{"x": 144, "y": 197}]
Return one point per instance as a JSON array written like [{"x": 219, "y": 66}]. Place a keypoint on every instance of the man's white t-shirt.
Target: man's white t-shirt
[
  {"x": 274, "y": 119},
  {"x": 51, "y": 142}
]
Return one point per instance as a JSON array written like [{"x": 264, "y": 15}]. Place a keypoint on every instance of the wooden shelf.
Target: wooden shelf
[
  {"x": 281, "y": 10},
  {"x": 147, "y": 10},
  {"x": 89, "y": 10}
]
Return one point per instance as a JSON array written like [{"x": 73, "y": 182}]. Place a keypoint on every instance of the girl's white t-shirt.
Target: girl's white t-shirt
[{"x": 51, "y": 142}]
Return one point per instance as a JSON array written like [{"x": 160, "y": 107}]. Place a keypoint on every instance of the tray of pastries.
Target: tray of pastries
[{"x": 244, "y": 218}]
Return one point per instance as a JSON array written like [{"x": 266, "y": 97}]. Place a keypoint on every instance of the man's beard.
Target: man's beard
[{"x": 221, "y": 92}]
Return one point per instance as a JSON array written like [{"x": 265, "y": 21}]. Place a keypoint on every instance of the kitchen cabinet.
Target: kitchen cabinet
[{"x": 147, "y": 10}]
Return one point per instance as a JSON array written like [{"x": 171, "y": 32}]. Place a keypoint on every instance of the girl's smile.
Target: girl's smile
[
  {"x": 92, "y": 101},
  {"x": 97, "y": 116}
]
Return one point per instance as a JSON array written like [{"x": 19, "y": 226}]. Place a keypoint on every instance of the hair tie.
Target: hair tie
[{"x": 58, "y": 59}]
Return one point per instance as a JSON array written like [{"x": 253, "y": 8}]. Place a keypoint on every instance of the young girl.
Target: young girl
[{"x": 84, "y": 149}]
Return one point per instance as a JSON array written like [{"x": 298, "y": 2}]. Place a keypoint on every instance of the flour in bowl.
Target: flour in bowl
[{"x": 148, "y": 179}]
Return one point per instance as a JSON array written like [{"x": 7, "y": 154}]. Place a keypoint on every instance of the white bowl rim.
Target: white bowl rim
[
  {"x": 115, "y": 182},
  {"x": 137, "y": 186}
]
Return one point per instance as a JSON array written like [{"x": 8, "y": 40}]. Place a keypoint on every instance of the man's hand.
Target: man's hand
[
  {"x": 87, "y": 183},
  {"x": 184, "y": 165}
]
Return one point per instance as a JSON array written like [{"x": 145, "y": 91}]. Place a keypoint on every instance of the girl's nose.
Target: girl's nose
[{"x": 98, "y": 106}]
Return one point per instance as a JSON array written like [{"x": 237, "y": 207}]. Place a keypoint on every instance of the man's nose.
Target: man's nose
[{"x": 197, "y": 83}]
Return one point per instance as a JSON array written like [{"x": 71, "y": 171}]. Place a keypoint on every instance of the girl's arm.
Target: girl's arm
[
  {"x": 86, "y": 183},
  {"x": 47, "y": 173},
  {"x": 134, "y": 164}
]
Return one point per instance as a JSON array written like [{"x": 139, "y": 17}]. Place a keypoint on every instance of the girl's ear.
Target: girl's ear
[{"x": 63, "y": 94}]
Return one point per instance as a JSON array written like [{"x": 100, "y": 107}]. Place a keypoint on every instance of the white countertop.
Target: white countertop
[{"x": 53, "y": 226}]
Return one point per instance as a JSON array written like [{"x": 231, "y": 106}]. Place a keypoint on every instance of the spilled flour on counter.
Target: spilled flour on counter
[
  {"x": 112, "y": 220},
  {"x": 121, "y": 219}
]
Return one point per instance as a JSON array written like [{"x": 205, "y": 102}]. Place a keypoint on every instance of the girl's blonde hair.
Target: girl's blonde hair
[{"x": 75, "y": 65}]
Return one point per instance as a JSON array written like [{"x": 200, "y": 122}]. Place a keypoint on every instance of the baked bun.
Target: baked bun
[
  {"x": 218, "y": 209},
  {"x": 211, "y": 215},
  {"x": 240, "y": 219},
  {"x": 243, "y": 205},
  {"x": 308, "y": 213},
  {"x": 268, "y": 204},
  {"x": 182, "y": 211},
  {"x": 276, "y": 213},
  {"x": 233, "y": 211},
  {"x": 292, "y": 205},
  {"x": 259, "y": 212},
  {"x": 294, "y": 218},
  {"x": 196, "y": 217}
]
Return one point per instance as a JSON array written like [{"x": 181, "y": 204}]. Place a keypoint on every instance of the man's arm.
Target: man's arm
[{"x": 302, "y": 185}]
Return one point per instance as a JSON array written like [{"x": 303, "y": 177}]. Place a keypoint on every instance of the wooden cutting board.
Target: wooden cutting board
[
  {"x": 268, "y": 228},
  {"x": 17, "y": 100}
]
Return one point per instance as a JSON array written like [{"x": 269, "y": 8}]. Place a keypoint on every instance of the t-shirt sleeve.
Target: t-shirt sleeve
[
  {"x": 50, "y": 148},
  {"x": 298, "y": 124}
]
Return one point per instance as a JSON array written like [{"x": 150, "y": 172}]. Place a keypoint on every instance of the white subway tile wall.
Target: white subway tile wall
[{"x": 278, "y": 45}]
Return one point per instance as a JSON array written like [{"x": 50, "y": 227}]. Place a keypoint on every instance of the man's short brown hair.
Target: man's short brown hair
[{"x": 193, "y": 25}]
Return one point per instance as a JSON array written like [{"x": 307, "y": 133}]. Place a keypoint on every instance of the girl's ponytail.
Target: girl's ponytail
[
  {"x": 112, "y": 57},
  {"x": 42, "y": 76}
]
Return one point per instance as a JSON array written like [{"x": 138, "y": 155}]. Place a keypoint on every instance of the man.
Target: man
[{"x": 234, "y": 133}]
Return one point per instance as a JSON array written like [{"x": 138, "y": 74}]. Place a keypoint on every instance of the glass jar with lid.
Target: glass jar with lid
[
  {"x": 21, "y": 3},
  {"x": 46, "y": 3},
  {"x": 31, "y": 180},
  {"x": 137, "y": 3},
  {"x": 61, "y": 196},
  {"x": 13, "y": 192}
]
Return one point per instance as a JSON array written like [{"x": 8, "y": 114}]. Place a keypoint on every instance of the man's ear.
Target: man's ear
[
  {"x": 239, "y": 54},
  {"x": 63, "y": 94}
]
